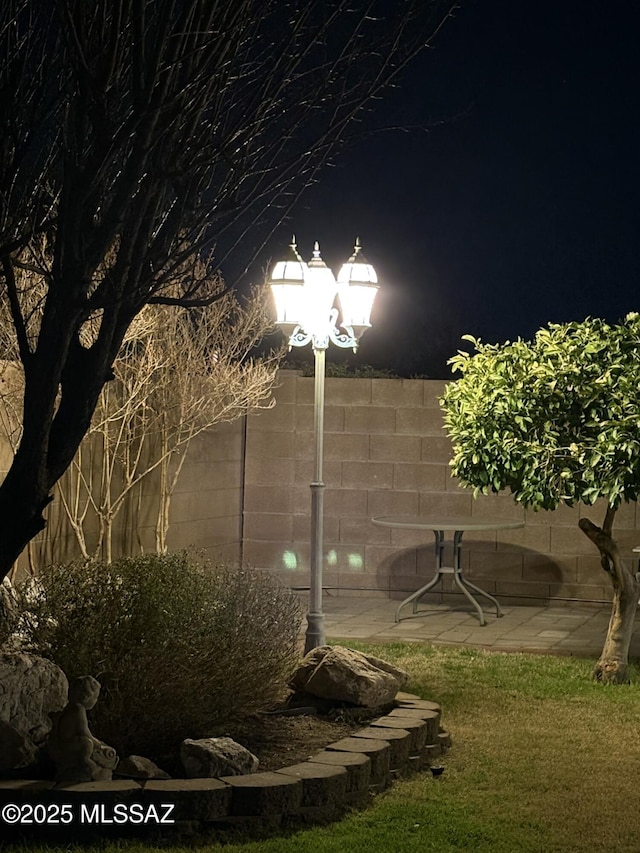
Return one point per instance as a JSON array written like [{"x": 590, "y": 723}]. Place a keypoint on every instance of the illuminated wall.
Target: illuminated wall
[{"x": 386, "y": 453}]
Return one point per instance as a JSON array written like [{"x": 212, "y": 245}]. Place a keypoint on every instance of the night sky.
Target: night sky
[{"x": 518, "y": 206}]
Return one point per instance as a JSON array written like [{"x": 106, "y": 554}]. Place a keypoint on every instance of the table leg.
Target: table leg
[
  {"x": 466, "y": 585},
  {"x": 416, "y": 596}
]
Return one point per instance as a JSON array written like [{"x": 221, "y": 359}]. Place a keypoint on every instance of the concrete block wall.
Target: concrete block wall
[
  {"x": 205, "y": 510},
  {"x": 386, "y": 453},
  {"x": 247, "y": 498}
]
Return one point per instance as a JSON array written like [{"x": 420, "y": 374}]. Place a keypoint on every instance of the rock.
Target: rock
[
  {"x": 216, "y": 756},
  {"x": 138, "y": 767},
  {"x": 8, "y": 609},
  {"x": 344, "y": 675},
  {"x": 16, "y": 750},
  {"x": 31, "y": 688}
]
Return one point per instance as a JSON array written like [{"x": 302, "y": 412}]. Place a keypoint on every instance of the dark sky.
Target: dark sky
[{"x": 519, "y": 206}]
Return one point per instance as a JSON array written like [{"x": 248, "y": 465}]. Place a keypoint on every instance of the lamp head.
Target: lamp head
[
  {"x": 357, "y": 288},
  {"x": 287, "y": 286}
]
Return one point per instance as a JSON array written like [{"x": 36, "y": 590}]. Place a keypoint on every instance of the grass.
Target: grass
[{"x": 543, "y": 760}]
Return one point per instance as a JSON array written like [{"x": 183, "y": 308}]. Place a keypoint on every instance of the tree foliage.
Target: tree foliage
[
  {"x": 133, "y": 135},
  {"x": 555, "y": 420}
]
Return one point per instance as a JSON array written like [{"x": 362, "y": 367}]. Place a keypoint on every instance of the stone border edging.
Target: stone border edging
[{"x": 344, "y": 775}]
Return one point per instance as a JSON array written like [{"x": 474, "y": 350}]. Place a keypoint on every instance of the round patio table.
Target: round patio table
[{"x": 440, "y": 526}]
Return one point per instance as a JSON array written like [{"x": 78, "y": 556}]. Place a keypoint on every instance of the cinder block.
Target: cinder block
[
  {"x": 585, "y": 592},
  {"x": 420, "y": 476},
  {"x": 285, "y": 387},
  {"x": 205, "y": 504},
  {"x": 390, "y": 560},
  {"x": 268, "y": 526},
  {"x": 346, "y": 447},
  {"x": 390, "y": 502},
  {"x": 590, "y": 570},
  {"x": 376, "y": 750},
  {"x": 345, "y": 502},
  {"x": 436, "y": 449},
  {"x": 522, "y": 588},
  {"x": 267, "y": 499},
  {"x": 269, "y": 471},
  {"x": 550, "y": 568},
  {"x": 194, "y": 799},
  {"x": 416, "y": 727},
  {"x": 445, "y": 505},
  {"x": 223, "y": 442},
  {"x": 571, "y": 541},
  {"x": 302, "y": 527},
  {"x": 497, "y": 565},
  {"x": 264, "y": 794},
  {"x": 268, "y": 443},
  {"x": 371, "y": 581},
  {"x": 395, "y": 448},
  {"x": 536, "y": 538},
  {"x": 333, "y": 418},
  {"x": 357, "y": 766},
  {"x": 430, "y": 716},
  {"x": 420, "y": 421},
  {"x": 347, "y": 392},
  {"x": 305, "y": 389},
  {"x": 433, "y": 390},
  {"x": 367, "y": 475},
  {"x": 345, "y": 558},
  {"x": 282, "y": 416},
  {"x": 322, "y": 784},
  {"x": 203, "y": 533},
  {"x": 399, "y": 741},
  {"x": 331, "y": 472},
  {"x": 218, "y": 474},
  {"x": 492, "y": 506},
  {"x": 412, "y": 538},
  {"x": 361, "y": 530},
  {"x": 625, "y": 517},
  {"x": 559, "y": 517},
  {"x": 276, "y": 556},
  {"x": 397, "y": 392},
  {"x": 370, "y": 419}
]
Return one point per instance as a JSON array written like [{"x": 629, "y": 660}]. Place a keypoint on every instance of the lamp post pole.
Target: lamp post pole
[
  {"x": 315, "y": 617},
  {"x": 304, "y": 295}
]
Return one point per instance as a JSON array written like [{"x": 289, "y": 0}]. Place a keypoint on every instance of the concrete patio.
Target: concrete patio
[{"x": 577, "y": 629}]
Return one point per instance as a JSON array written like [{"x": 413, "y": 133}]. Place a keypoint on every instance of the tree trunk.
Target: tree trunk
[{"x": 613, "y": 664}]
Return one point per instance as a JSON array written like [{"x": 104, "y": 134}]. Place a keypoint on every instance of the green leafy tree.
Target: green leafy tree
[{"x": 557, "y": 420}]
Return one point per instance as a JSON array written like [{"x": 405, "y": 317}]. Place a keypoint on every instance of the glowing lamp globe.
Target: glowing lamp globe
[
  {"x": 357, "y": 288},
  {"x": 288, "y": 288}
]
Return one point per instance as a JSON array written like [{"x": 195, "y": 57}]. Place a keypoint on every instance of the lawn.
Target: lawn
[{"x": 543, "y": 760}]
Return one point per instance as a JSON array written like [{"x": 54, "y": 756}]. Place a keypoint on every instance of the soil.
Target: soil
[{"x": 280, "y": 740}]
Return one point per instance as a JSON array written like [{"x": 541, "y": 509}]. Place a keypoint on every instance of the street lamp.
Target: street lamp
[{"x": 305, "y": 296}]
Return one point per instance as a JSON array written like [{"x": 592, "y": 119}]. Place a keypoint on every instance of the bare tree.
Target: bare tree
[
  {"x": 177, "y": 374},
  {"x": 132, "y": 134}
]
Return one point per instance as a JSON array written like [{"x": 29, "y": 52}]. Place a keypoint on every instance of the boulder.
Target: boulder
[
  {"x": 216, "y": 756},
  {"x": 16, "y": 750},
  {"x": 8, "y": 609},
  {"x": 31, "y": 688},
  {"x": 344, "y": 675},
  {"x": 138, "y": 767}
]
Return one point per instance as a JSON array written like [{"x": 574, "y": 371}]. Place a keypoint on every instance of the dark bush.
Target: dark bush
[{"x": 181, "y": 648}]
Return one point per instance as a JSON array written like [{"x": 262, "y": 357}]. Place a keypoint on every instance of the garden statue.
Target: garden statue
[{"x": 77, "y": 754}]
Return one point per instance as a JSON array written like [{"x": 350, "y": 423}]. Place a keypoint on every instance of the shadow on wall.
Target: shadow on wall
[{"x": 500, "y": 573}]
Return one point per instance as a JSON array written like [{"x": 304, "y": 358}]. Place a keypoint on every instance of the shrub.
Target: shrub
[{"x": 181, "y": 648}]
